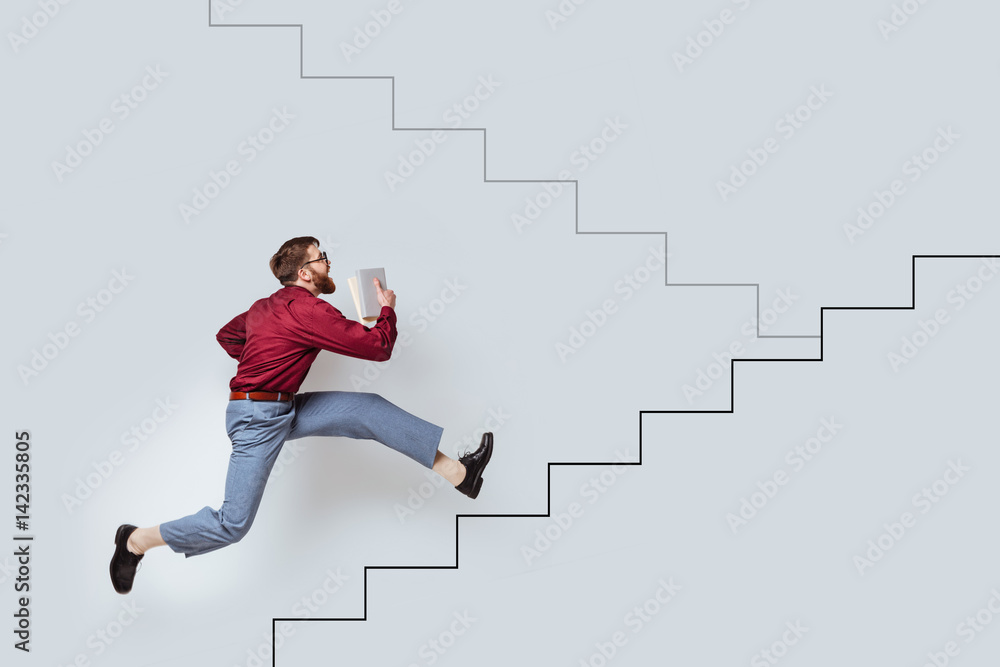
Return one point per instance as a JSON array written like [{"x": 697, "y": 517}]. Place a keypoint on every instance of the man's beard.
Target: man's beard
[{"x": 324, "y": 283}]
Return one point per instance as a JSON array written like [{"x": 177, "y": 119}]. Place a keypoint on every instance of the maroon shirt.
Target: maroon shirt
[{"x": 277, "y": 340}]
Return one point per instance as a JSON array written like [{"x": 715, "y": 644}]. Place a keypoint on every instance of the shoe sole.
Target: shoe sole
[
  {"x": 120, "y": 547},
  {"x": 478, "y": 483}
]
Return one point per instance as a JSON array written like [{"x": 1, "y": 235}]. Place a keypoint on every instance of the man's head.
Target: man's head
[{"x": 299, "y": 262}]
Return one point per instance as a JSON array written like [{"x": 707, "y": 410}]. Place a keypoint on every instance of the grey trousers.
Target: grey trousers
[{"x": 258, "y": 429}]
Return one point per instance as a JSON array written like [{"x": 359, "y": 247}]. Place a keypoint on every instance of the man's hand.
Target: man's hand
[{"x": 385, "y": 297}]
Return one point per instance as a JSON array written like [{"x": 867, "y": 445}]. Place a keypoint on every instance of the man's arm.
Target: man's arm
[
  {"x": 330, "y": 330},
  {"x": 233, "y": 336}
]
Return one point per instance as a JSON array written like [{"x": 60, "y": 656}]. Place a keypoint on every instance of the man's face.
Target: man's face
[{"x": 319, "y": 272}]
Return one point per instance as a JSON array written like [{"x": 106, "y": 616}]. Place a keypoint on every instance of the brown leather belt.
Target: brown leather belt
[{"x": 261, "y": 395}]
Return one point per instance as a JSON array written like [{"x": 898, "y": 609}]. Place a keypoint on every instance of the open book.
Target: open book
[{"x": 365, "y": 295}]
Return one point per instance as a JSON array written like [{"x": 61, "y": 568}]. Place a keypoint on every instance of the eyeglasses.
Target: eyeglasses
[{"x": 321, "y": 258}]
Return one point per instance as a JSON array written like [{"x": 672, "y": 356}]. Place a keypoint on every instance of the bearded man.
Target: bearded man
[{"x": 275, "y": 343}]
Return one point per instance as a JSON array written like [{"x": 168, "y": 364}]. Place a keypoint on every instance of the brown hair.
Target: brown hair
[{"x": 292, "y": 254}]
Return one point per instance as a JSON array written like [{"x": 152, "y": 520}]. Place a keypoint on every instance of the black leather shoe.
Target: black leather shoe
[
  {"x": 124, "y": 563},
  {"x": 475, "y": 462}
]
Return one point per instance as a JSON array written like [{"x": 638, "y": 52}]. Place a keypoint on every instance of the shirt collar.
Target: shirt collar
[{"x": 296, "y": 289}]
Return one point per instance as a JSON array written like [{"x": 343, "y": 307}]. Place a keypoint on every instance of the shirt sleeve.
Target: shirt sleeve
[
  {"x": 330, "y": 330},
  {"x": 233, "y": 336}
]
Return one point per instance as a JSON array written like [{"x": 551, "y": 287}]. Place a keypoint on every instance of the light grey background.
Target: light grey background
[{"x": 333, "y": 506}]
